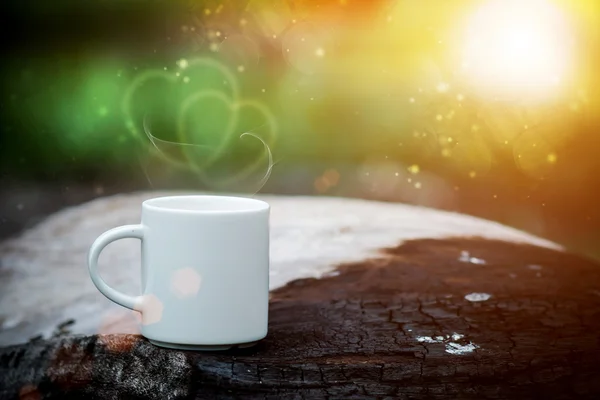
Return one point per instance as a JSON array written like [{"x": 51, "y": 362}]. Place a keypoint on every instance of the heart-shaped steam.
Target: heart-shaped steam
[{"x": 189, "y": 101}]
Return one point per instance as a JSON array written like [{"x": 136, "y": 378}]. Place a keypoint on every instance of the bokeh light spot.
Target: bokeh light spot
[
  {"x": 183, "y": 63},
  {"x": 329, "y": 179},
  {"x": 442, "y": 87},
  {"x": 186, "y": 282},
  {"x": 151, "y": 308},
  {"x": 414, "y": 169}
]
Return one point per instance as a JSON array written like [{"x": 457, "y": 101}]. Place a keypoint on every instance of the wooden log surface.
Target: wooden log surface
[{"x": 369, "y": 300}]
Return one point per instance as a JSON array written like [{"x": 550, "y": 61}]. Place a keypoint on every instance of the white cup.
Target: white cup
[{"x": 205, "y": 271}]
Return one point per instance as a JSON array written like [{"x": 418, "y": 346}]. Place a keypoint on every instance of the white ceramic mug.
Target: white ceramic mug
[{"x": 205, "y": 271}]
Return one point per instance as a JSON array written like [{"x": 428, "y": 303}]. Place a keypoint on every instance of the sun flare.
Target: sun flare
[{"x": 517, "y": 48}]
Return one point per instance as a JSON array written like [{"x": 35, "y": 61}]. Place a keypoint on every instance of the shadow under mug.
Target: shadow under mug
[{"x": 205, "y": 271}]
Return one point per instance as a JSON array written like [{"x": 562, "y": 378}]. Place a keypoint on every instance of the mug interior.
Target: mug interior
[{"x": 206, "y": 204}]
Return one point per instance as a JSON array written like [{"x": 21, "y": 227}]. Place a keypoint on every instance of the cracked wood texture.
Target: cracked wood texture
[
  {"x": 369, "y": 300},
  {"x": 397, "y": 326}
]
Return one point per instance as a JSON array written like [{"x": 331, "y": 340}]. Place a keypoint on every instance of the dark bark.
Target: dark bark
[{"x": 394, "y": 327}]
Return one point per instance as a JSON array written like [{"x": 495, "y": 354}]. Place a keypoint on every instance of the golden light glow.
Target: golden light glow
[{"x": 517, "y": 48}]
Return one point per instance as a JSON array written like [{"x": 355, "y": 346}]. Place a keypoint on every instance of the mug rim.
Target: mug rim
[{"x": 240, "y": 205}]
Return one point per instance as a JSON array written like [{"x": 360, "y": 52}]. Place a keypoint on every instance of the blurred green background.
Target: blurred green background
[{"x": 484, "y": 107}]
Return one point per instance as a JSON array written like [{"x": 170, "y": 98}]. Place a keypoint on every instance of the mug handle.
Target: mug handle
[{"x": 122, "y": 232}]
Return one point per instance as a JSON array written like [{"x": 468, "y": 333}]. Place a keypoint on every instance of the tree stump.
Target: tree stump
[{"x": 369, "y": 300}]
